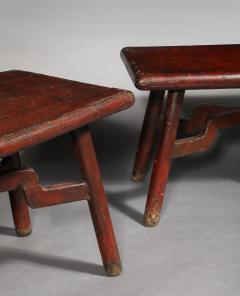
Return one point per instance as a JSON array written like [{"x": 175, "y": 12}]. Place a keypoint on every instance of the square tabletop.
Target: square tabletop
[
  {"x": 36, "y": 107},
  {"x": 183, "y": 67}
]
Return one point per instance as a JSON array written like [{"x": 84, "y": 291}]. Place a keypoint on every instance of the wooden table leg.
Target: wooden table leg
[
  {"x": 19, "y": 206},
  {"x": 146, "y": 139},
  {"x": 163, "y": 158},
  {"x": 85, "y": 154}
]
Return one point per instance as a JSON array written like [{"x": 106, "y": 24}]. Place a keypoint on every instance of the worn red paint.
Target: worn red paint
[
  {"x": 43, "y": 107},
  {"x": 183, "y": 67},
  {"x": 163, "y": 158},
  {"x": 84, "y": 151},
  {"x": 146, "y": 139},
  {"x": 38, "y": 196},
  {"x": 35, "y": 108},
  {"x": 176, "y": 69},
  {"x": 18, "y": 203},
  {"x": 205, "y": 122}
]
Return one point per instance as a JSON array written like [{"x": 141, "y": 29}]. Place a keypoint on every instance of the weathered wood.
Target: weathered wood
[
  {"x": 147, "y": 134},
  {"x": 85, "y": 154},
  {"x": 163, "y": 158}
]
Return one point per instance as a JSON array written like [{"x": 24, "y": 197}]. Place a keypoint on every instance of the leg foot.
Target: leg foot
[
  {"x": 151, "y": 218},
  {"x": 23, "y": 232},
  {"x": 19, "y": 206},
  {"x": 163, "y": 158},
  {"x": 98, "y": 206},
  {"x": 147, "y": 134},
  {"x": 137, "y": 176},
  {"x": 113, "y": 269}
]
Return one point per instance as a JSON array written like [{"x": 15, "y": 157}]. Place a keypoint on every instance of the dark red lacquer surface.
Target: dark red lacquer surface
[
  {"x": 36, "y": 107},
  {"x": 176, "y": 69},
  {"x": 183, "y": 67}
]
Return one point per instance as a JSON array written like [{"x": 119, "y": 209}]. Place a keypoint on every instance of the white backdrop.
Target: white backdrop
[{"x": 195, "y": 249}]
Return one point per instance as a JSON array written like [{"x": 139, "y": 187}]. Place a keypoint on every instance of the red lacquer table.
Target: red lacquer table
[
  {"x": 176, "y": 69},
  {"x": 35, "y": 108}
]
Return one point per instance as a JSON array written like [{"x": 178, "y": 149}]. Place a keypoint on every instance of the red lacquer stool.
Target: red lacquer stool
[
  {"x": 36, "y": 108},
  {"x": 176, "y": 69}
]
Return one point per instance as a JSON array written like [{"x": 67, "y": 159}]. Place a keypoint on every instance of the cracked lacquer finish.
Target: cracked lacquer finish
[{"x": 36, "y": 108}]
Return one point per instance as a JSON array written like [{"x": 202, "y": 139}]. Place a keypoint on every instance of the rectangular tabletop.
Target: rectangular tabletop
[
  {"x": 35, "y": 107},
  {"x": 183, "y": 67}
]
